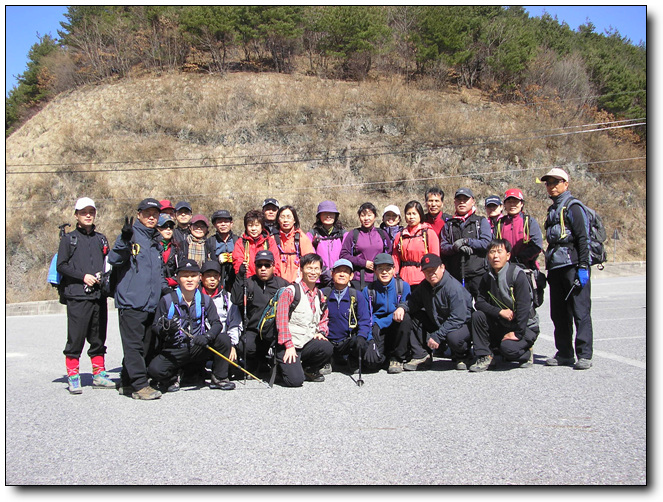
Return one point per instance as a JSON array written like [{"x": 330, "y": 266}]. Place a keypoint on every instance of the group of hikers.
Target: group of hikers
[{"x": 391, "y": 296}]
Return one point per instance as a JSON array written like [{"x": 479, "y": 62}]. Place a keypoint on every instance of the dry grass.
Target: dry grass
[{"x": 240, "y": 138}]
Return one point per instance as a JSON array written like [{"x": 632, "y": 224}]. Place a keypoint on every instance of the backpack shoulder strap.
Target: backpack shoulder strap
[{"x": 355, "y": 238}]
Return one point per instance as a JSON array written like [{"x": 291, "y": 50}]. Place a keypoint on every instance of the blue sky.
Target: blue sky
[{"x": 22, "y": 23}]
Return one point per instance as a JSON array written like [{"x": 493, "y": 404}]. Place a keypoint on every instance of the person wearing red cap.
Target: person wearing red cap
[
  {"x": 167, "y": 208},
  {"x": 520, "y": 229}
]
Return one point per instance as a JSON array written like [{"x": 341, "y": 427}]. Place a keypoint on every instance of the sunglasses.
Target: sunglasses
[
  {"x": 264, "y": 265},
  {"x": 168, "y": 226},
  {"x": 553, "y": 182}
]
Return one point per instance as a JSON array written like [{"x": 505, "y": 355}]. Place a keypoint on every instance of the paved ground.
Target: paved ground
[{"x": 538, "y": 426}]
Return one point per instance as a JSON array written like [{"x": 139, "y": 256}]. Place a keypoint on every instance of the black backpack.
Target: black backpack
[
  {"x": 596, "y": 233},
  {"x": 373, "y": 295},
  {"x": 383, "y": 234}
]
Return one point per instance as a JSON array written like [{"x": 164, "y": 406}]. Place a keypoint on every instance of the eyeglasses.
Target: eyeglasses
[
  {"x": 264, "y": 265},
  {"x": 553, "y": 182}
]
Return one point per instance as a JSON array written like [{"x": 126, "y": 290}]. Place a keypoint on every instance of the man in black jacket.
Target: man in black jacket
[
  {"x": 567, "y": 265},
  {"x": 505, "y": 318},
  {"x": 81, "y": 262},
  {"x": 259, "y": 289},
  {"x": 448, "y": 308}
]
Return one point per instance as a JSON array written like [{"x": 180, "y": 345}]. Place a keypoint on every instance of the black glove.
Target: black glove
[
  {"x": 458, "y": 244},
  {"x": 127, "y": 231},
  {"x": 242, "y": 270},
  {"x": 373, "y": 355},
  {"x": 465, "y": 249},
  {"x": 200, "y": 340},
  {"x": 361, "y": 344}
]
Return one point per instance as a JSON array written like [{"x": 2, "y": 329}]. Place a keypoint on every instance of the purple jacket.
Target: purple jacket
[{"x": 369, "y": 245}]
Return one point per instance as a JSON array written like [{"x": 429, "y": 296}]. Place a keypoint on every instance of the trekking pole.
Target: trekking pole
[
  {"x": 231, "y": 362},
  {"x": 576, "y": 283},
  {"x": 462, "y": 269},
  {"x": 360, "y": 382},
  {"x": 244, "y": 328}
]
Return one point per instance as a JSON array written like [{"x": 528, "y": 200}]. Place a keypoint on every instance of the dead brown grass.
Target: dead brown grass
[{"x": 240, "y": 138}]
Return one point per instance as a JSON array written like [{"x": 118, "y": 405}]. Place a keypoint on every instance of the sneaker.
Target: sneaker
[
  {"x": 102, "y": 381},
  {"x": 326, "y": 369},
  {"x": 530, "y": 361},
  {"x": 560, "y": 361},
  {"x": 221, "y": 383},
  {"x": 147, "y": 393},
  {"x": 395, "y": 367},
  {"x": 482, "y": 364},
  {"x": 461, "y": 365},
  {"x": 313, "y": 376},
  {"x": 418, "y": 364},
  {"x": 583, "y": 364},
  {"x": 75, "y": 384}
]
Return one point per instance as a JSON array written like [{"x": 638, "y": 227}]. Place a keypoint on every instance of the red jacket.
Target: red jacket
[
  {"x": 263, "y": 241},
  {"x": 410, "y": 248}
]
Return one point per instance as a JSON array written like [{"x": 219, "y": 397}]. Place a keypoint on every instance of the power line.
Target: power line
[
  {"x": 386, "y": 182},
  {"x": 327, "y": 158}
]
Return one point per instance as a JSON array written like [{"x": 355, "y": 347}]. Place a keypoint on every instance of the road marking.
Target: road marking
[
  {"x": 617, "y": 338},
  {"x": 620, "y": 319},
  {"x": 609, "y": 355},
  {"x": 15, "y": 354}
]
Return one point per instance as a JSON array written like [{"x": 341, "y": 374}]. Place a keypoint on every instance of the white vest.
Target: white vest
[{"x": 304, "y": 321}]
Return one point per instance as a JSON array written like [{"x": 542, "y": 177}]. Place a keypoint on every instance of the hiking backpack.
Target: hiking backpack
[
  {"x": 596, "y": 233},
  {"x": 355, "y": 237},
  {"x": 54, "y": 277},
  {"x": 373, "y": 295}
]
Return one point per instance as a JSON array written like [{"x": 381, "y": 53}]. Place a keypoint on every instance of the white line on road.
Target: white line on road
[
  {"x": 617, "y": 338},
  {"x": 609, "y": 355}
]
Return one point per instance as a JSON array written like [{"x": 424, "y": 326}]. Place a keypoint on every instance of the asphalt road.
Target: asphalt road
[{"x": 510, "y": 426}]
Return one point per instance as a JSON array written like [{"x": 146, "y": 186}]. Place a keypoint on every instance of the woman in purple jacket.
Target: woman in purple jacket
[
  {"x": 327, "y": 237},
  {"x": 363, "y": 244}
]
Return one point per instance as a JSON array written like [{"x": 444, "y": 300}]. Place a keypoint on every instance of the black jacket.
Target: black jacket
[
  {"x": 258, "y": 295},
  {"x": 81, "y": 253}
]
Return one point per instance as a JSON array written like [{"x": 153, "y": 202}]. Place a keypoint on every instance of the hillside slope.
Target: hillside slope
[{"x": 229, "y": 142}]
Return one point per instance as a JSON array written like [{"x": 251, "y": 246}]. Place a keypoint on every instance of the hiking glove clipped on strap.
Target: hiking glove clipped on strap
[{"x": 373, "y": 354}]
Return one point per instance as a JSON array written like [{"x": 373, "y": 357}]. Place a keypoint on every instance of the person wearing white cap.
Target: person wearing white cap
[
  {"x": 567, "y": 265},
  {"x": 82, "y": 263},
  {"x": 391, "y": 221}
]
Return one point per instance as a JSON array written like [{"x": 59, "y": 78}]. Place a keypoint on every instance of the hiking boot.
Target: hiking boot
[
  {"x": 75, "y": 384},
  {"x": 221, "y": 383},
  {"x": 313, "y": 375},
  {"x": 418, "y": 364},
  {"x": 482, "y": 364},
  {"x": 124, "y": 390},
  {"x": 102, "y": 381},
  {"x": 530, "y": 361},
  {"x": 461, "y": 365},
  {"x": 326, "y": 369},
  {"x": 147, "y": 393},
  {"x": 395, "y": 367},
  {"x": 583, "y": 364},
  {"x": 560, "y": 361}
]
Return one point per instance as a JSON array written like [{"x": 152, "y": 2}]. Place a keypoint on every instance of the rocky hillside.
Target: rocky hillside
[{"x": 230, "y": 141}]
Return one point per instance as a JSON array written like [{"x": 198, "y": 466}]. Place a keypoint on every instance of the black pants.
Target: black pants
[
  {"x": 487, "y": 337},
  {"x": 166, "y": 364},
  {"x": 458, "y": 340},
  {"x": 393, "y": 340},
  {"x": 564, "y": 313},
  {"x": 312, "y": 356},
  {"x": 256, "y": 348},
  {"x": 137, "y": 343},
  {"x": 86, "y": 320}
]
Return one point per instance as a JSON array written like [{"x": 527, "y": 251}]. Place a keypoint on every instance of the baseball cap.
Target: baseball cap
[
  {"x": 493, "y": 199},
  {"x": 148, "y": 203},
  {"x": 210, "y": 265},
  {"x": 464, "y": 191},
  {"x": 555, "y": 172},
  {"x": 83, "y": 202},
  {"x": 264, "y": 255},
  {"x": 274, "y": 202},
  {"x": 183, "y": 205},
  {"x": 430, "y": 260},
  {"x": 393, "y": 208},
  {"x": 327, "y": 206},
  {"x": 200, "y": 217},
  {"x": 166, "y": 204},
  {"x": 342, "y": 263},
  {"x": 165, "y": 218},
  {"x": 383, "y": 259},
  {"x": 221, "y": 213},
  {"x": 514, "y": 192},
  {"x": 190, "y": 265}
]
